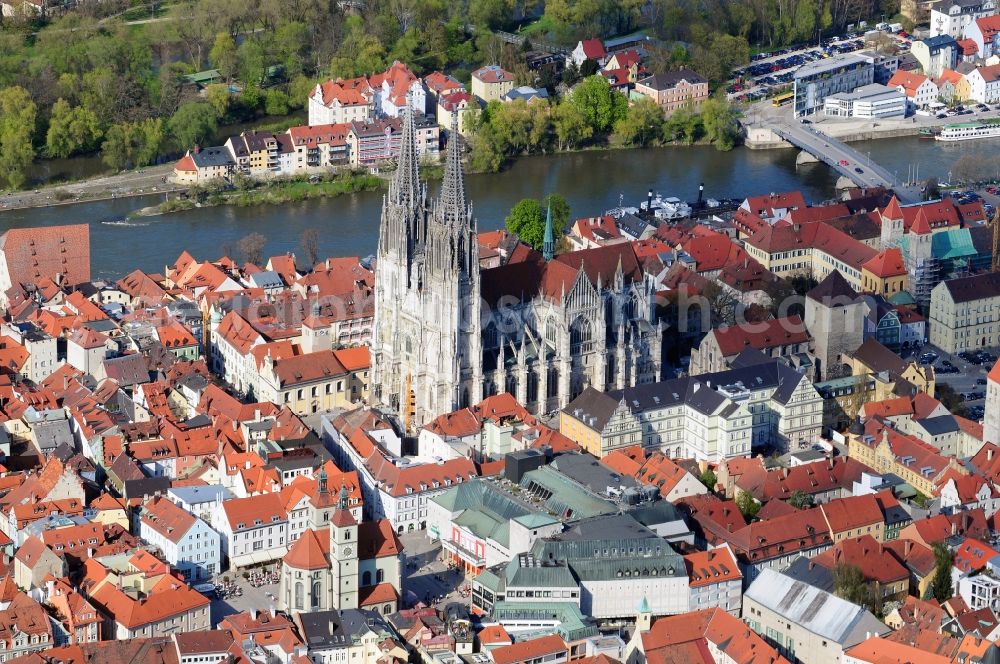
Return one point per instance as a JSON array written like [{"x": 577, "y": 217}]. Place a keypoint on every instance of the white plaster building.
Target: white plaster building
[
  {"x": 953, "y": 17},
  {"x": 253, "y": 529},
  {"x": 186, "y": 541}
]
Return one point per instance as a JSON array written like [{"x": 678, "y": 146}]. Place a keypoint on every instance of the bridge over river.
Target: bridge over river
[{"x": 841, "y": 157}]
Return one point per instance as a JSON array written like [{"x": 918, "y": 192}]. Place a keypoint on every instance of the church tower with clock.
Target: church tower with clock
[{"x": 343, "y": 556}]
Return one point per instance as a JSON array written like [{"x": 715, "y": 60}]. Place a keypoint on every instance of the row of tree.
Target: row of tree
[{"x": 593, "y": 113}]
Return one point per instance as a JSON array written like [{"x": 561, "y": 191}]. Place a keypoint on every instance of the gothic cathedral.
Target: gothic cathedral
[{"x": 543, "y": 327}]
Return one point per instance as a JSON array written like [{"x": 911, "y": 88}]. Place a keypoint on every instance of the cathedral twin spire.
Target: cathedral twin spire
[{"x": 452, "y": 199}]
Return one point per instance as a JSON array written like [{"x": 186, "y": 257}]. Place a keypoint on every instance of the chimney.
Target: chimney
[
  {"x": 784, "y": 472},
  {"x": 954, "y": 528},
  {"x": 907, "y": 545},
  {"x": 989, "y": 453}
]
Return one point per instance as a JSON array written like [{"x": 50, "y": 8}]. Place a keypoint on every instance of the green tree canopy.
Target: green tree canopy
[
  {"x": 747, "y": 505},
  {"x": 800, "y": 499},
  {"x": 71, "y": 130},
  {"x": 17, "y": 127},
  {"x": 642, "y": 124},
  {"x": 223, "y": 55},
  {"x": 133, "y": 144},
  {"x": 527, "y": 220},
  {"x": 570, "y": 126},
  {"x": 192, "y": 124},
  {"x": 598, "y": 103},
  {"x": 941, "y": 585}
]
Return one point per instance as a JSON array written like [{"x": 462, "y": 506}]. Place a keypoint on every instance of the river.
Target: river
[{"x": 591, "y": 181}]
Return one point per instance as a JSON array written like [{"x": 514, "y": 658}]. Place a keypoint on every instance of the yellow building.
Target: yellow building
[
  {"x": 888, "y": 451},
  {"x": 307, "y": 383},
  {"x": 457, "y": 106},
  {"x": 491, "y": 82},
  {"x": 813, "y": 249},
  {"x": 887, "y": 368},
  {"x": 885, "y": 274}
]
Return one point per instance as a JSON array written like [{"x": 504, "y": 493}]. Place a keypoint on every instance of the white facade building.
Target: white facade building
[
  {"x": 868, "y": 101},
  {"x": 254, "y": 529},
  {"x": 953, "y": 17},
  {"x": 186, "y": 541},
  {"x": 984, "y": 84}
]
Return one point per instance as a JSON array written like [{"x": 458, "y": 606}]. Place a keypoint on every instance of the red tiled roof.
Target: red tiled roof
[
  {"x": 309, "y": 552},
  {"x": 32, "y": 253},
  {"x": 908, "y": 80},
  {"x": 852, "y": 513},
  {"x": 186, "y": 164},
  {"x": 836, "y": 243},
  {"x": 593, "y": 49},
  {"x": 769, "y": 334},
  {"x": 876, "y": 562},
  {"x": 532, "y": 649},
  {"x": 887, "y": 263},
  {"x": 705, "y": 568}
]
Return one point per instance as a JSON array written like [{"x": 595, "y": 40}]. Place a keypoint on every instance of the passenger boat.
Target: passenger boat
[{"x": 968, "y": 131}]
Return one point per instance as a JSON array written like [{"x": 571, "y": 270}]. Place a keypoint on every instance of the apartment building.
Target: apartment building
[{"x": 965, "y": 313}]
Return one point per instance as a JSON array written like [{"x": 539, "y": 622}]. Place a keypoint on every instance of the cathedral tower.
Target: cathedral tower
[{"x": 427, "y": 357}]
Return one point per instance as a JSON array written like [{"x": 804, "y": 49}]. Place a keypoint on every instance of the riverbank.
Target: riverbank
[
  {"x": 139, "y": 182},
  {"x": 760, "y": 137},
  {"x": 270, "y": 192}
]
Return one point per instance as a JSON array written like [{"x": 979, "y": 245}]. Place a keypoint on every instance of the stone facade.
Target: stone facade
[{"x": 555, "y": 325}]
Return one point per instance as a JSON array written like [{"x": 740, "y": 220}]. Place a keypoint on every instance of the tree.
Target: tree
[
  {"x": 849, "y": 583},
  {"x": 969, "y": 168},
  {"x": 133, "y": 144},
  {"x": 931, "y": 189},
  {"x": 219, "y": 96},
  {"x": 251, "y": 248},
  {"x": 560, "y": 211},
  {"x": 941, "y": 585},
  {"x": 17, "y": 126},
  {"x": 720, "y": 122},
  {"x": 527, "y": 220},
  {"x": 950, "y": 399},
  {"x": 250, "y": 58},
  {"x": 309, "y": 241},
  {"x": 71, "y": 130},
  {"x": 223, "y": 55},
  {"x": 193, "y": 124},
  {"x": 709, "y": 479},
  {"x": 684, "y": 124},
  {"x": 800, "y": 499},
  {"x": 598, "y": 103},
  {"x": 747, "y": 505},
  {"x": 642, "y": 124},
  {"x": 275, "y": 102},
  {"x": 588, "y": 68},
  {"x": 570, "y": 125}
]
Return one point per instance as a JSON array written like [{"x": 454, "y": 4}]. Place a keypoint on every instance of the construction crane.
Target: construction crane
[
  {"x": 995, "y": 222},
  {"x": 996, "y": 241}
]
